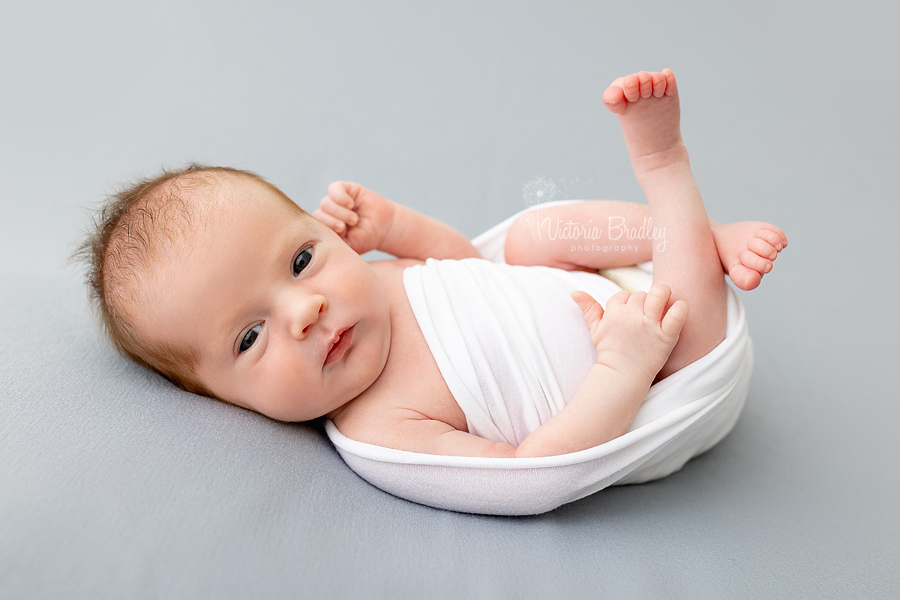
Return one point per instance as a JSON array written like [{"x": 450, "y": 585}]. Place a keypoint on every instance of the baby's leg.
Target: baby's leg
[
  {"x": 649, "y": 113},
  {"x": 604, "y": 234},
  {"x": 592, "y": 235}
]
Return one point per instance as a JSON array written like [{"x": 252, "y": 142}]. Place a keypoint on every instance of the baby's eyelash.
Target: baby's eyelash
[
  {"x": 302, "y": 260},
  {"x": 249, "y": 338}
]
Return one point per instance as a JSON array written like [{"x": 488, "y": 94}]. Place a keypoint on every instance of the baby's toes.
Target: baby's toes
[
  {"x": 754, "y": 261},
  {"x": 646, "y": 84},
  {"x": 744, "y": 277},
  {"x": 762, "y": 248},
  {"x": 772, "y": 238},
  {"x": 777, "y": 231},
  {"x": 631, "y": 85},
  {"x": 655, "y": 303},
  {"x": 659, "y": 85},
  {"x": 614, "y": 99},
  {"x": 671, "y": 84}
]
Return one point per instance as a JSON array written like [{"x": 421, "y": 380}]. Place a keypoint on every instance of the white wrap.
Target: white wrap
[
  {"x": 509, "y": 378},
  {"x": 511, "y": 344}
]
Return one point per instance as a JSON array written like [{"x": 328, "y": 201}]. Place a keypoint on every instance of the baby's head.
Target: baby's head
[{"x": 217, "y": 280}]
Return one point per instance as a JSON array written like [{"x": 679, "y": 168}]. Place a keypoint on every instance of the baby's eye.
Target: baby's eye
[
  {"x": 302, "y": 260},
  {"x": 249, "y": 338}
]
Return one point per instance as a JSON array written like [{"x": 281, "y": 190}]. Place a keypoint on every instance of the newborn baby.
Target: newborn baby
[{"x": 214, "y": 278}]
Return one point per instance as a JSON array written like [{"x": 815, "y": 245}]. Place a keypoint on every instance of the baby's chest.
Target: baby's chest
[{"x": 411, "y": 381}]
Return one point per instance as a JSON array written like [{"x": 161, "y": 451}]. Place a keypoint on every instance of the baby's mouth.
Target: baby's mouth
[{"x": 340, "y": 346}]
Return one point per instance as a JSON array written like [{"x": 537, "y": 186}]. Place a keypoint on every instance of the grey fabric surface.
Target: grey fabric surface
[{"x": 114, "y": 484}]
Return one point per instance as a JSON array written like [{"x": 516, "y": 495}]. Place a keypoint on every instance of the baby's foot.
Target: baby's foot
[
  {"x": 649, "y": 113},
  {"x": 747, "y": 250}
]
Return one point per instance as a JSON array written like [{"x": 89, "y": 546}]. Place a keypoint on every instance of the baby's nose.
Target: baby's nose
[{"x": 306, "y": 315}]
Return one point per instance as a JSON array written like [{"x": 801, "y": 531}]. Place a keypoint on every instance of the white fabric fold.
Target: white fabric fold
[
  {"x": 513, "y": 349},
  {"x": 511, "y": 344}
]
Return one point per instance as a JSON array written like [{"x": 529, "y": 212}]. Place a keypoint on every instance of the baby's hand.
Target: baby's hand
[
  {"x": 635, "y": 331},
  {"x": 361, "y": 217}
]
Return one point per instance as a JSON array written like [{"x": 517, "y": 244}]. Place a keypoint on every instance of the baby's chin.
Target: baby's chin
[
  {"x": 282, "y": 416},
  {"x": 299, "y": 410},
  {"x": 379, "y": 365}
]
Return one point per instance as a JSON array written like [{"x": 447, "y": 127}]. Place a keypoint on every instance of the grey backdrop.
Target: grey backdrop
[{"x": 113, "y": 484}]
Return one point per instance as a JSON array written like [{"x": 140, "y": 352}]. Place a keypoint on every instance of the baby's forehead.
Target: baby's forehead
[
  {"x": 176, "y": 216},
  {"x": 218, "y": 206}
]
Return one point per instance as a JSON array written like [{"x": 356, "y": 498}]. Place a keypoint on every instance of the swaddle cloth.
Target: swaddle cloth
[
  {"x": 514, "y": 348},
  {"x": 511, "y": 344}
]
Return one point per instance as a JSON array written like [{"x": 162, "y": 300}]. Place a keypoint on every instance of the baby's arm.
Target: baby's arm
[
  {"x": 369, "y": 221},
  {"x": 634, "y": 338}
]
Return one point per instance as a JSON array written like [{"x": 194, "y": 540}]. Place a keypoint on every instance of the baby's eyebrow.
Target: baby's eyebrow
[
  {"x": 228, "y": 331},
  {"x": 293, "y": 242}
]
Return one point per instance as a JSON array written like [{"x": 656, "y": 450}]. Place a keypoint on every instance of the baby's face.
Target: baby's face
[{"x": 288, "y": 320}]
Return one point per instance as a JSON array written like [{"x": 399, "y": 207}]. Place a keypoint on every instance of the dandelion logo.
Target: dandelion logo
[{"x": 538, "y": 190}]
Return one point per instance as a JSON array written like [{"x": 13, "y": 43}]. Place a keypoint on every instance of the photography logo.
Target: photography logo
[{"x": 539, "y": 190}]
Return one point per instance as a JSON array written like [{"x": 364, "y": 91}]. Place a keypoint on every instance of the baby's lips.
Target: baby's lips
[{"x": 339, "y": 342}]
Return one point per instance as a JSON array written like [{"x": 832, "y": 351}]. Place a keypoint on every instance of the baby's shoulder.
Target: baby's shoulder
[
  {"x": 390, "y": 273},
  {"x": 378, "y": 418},
  {"x": 394, "y": 264},
  {"x": 366, "y": 417}
]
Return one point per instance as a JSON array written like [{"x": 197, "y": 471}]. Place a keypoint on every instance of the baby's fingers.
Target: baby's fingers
[
  {"x": 331, "y": 207},
  {"x": 336, "y": 225},
  {"x": 655, "y": 303},
  {"x": 618, "y": 298},
  {"x": 344, "y": 193},
  {"x": 590, "y": 308},
  {"x": 675, "y": 318}
]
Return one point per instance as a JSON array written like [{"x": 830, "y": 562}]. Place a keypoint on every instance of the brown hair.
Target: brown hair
[{"x": 117, "y": 250}]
